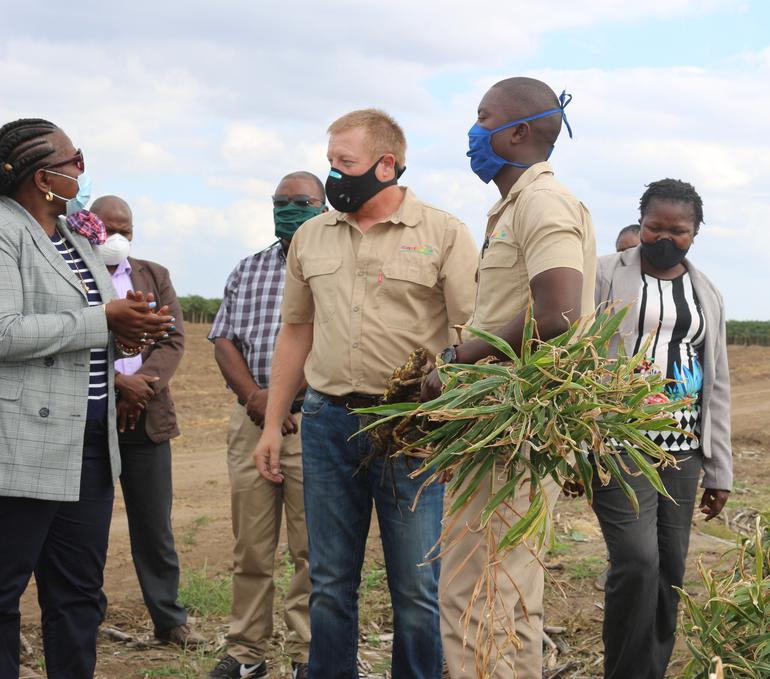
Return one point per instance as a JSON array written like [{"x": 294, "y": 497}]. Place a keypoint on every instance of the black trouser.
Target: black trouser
[
  {"x": 647, "y": 558},
  {"x": 145, "y": 480},
  {"x": 65, "y": 544}
]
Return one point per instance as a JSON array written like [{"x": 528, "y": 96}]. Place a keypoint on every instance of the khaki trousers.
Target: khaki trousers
[
  {"x": 257, "y": 505},
  {"x": 519, "y": 585}
]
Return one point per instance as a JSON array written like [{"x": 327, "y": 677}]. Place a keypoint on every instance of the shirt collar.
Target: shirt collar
[
  {"x": 123, "y": 268},
  {"x": 408, "y": 213},
  {"x": 633, "y": 257},
  {"x": 527, "y": 178}
]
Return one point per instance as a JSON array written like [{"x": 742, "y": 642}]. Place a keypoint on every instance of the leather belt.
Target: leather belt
[{"x": 353, "y": 400}]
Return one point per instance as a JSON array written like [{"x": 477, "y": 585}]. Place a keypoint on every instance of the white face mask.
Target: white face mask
[{"x": 115, "y": 249}]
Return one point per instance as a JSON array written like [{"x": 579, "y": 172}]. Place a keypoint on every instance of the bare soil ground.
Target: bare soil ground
[{"x": 203, "y": 536}]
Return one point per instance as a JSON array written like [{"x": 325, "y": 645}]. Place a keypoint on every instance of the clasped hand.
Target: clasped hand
[{"x": 135, "y": 322}]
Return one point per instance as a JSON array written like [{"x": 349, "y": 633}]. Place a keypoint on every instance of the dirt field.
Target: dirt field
[{"x": 203, "y": 535}]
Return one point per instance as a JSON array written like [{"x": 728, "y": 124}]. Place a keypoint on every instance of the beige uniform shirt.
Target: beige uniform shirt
[
  {"x": 538, "y": 226},
  {"x": 375, "y": 297}
]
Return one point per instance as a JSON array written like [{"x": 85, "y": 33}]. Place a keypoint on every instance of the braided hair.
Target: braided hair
[
  {"x": 673, "y": 190},
  {"x": 23, "y": 148}
]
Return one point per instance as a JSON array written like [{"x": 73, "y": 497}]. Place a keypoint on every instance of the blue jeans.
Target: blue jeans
[{"x": 338, "y": 508}]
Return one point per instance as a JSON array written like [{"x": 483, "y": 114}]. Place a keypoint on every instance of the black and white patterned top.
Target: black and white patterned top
[
  {"x": 97, "y": 388},
  {"x": 671, "y": 312},
  {"x": 250, "y": 313}
]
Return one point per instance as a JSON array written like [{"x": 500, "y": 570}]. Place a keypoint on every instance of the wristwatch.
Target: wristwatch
[{"x": 448, "y": 355}]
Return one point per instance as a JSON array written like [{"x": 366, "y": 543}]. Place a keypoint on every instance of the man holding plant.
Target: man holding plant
[{"x": 539, "y": 245}]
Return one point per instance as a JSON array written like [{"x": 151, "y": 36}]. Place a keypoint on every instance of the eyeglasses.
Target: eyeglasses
[
  {"x": 300, "y": 200},
  {"x": 77, "y": 160}
]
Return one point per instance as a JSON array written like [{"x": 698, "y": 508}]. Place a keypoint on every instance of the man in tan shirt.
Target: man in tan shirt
[
  {"x": 366, "y": 284},
  {"x": 539, "y": 244}
]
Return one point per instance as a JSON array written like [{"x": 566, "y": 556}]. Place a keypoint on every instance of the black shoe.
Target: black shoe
[
  {"x": 230, "y": 668},
  {"x": 300, "y": 670}
]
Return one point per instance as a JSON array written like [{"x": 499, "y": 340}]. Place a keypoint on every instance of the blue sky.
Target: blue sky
[{"x": 193, "y": 111}]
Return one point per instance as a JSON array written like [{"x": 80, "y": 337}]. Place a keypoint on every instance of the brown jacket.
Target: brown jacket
[{"x": 161, "y": 359}]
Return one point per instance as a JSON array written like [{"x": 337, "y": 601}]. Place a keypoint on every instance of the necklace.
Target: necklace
[{"x": 71, "y": 262}]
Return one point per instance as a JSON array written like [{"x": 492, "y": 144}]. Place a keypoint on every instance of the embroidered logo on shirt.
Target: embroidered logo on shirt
[
  {"x": 418, "y": 249},
  {"x": 499, "y": 235}
]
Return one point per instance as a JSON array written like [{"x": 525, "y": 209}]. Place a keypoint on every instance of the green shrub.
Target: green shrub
[
  {"x": 206, "y": 595},
  {"x": 731, "y": 627}
]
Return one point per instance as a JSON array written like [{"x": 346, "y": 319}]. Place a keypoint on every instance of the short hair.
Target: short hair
[
  {"x": 23, "y": 150},
  {"x": 631, "y": 228},
  {"x": 529, "y": 96},
  {"x": 674, "y": 190},
  {"x": 303, "y": 174},
  {"x": 383, "y": 133}
]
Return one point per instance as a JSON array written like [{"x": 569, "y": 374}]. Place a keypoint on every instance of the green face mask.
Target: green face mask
[{"x": 288, "y": 218}]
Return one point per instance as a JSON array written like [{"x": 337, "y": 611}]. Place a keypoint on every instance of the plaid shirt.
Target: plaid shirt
[{"x": 250, "y": 314}]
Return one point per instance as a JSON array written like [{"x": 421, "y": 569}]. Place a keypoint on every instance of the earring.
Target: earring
[{"x": 49, "y": 195}]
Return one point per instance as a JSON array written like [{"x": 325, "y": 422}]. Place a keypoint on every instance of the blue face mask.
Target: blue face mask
[
  {"x": 485, "y": 162},
  {"x": 81, "y": 198}
]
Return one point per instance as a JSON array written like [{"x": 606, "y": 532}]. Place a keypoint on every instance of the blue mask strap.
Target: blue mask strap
[
  {"x": 564, "y": 100},
  {"x": 550, "y": 112}
]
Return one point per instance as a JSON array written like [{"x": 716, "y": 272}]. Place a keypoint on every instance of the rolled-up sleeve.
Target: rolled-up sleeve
[
  {"x": 223, "y": 321},
  {"x": 297, "y": 305},
  {"x": 458, "y": 273},
  {"x": 552, "y": 233}
]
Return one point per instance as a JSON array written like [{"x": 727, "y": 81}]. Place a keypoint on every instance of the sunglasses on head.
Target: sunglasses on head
[
  {"x": 76, "y": 160},
  {"x": 300, "y": 200}
]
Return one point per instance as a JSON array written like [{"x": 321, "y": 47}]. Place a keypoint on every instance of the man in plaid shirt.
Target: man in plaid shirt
[{"x": 243, "y": 334}]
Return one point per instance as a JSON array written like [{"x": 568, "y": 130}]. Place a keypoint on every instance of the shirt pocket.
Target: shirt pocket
[
  {"x": 498, "y": 281},
  {"x": 496, "y": 266},
  {"x": 407, "y": 288},
  {"x": 321, "y": 274},
  {"x": 10, "y": 390}
]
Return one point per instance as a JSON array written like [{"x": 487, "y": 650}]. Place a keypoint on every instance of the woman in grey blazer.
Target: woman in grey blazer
[
  {"x": 684, "y": 311},
  {"x": 58, "y": 445}
]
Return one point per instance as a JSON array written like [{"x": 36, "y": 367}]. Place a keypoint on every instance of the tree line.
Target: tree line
[
  {"x": 748, "y": 332},
  {"x": 199, "y": 309}
]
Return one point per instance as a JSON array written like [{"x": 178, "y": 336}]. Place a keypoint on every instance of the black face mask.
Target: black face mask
[
  {"x": 663, "y": 254},
  {"x": 347, "y": 193}
]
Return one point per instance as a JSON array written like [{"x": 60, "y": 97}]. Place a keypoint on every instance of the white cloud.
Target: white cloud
[
  {"x": 247, "y": 145},
  {"x": 195, "y": 114}
]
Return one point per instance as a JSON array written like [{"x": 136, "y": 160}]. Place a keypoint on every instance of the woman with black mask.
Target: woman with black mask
[{"x": 684, "y": 312}]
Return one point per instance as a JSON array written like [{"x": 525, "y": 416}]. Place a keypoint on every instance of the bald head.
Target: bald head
[
  {"x": 523, "y": 97},
  {"x": 116, "y": 215},
  {"x": 110, "y": 204}
]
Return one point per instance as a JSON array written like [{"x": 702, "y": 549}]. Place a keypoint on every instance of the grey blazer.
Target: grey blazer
[
  {"x": 618, "y": 277},
  {"x": 46, "y": 333}
]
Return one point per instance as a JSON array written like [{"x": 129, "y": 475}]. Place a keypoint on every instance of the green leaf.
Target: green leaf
[{"x": 497, "y": 342}]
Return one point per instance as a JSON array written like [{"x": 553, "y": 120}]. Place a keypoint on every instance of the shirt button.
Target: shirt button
[
  {"x": 355, "y": 345},
  {"x": 360, "y": 273},
  {"x": 43, "y": 412},
  {"x": 355, "y": 308},
  {"x": 49, "y": 361}
]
